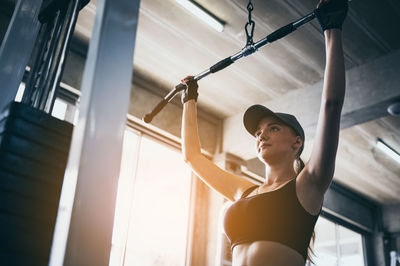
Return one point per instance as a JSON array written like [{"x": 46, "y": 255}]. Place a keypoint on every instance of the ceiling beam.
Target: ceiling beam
[{"x": 370, "y": 88}]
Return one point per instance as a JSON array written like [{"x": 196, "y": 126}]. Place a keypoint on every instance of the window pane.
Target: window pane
[
  {"x": 351, "y": 251},
  {"x": 325, "y": 243},
  {"x": 59, "y": 109},
  {"x": 336, "y": 245},
  {"x": 20, "y": 92},
  {"x": 159, "y": 218}
]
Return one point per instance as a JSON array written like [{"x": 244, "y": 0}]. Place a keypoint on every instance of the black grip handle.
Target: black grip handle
[
  {"x": 281, "y": 32},
  {"x": 221, "y": 65},
  {"x": 148, "y": 117}
]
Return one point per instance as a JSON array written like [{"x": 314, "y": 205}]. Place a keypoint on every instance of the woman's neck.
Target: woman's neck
[{"x": 280, "y": 173}]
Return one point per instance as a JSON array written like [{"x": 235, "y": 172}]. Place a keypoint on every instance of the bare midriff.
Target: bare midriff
[{"x": 265, "y": 253}]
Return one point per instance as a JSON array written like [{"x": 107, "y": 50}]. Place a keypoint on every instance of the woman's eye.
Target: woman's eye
[{"x": 274, "y": 129}]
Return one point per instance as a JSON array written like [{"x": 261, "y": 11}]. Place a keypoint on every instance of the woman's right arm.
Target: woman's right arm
[{"x": 229, "y": 185}]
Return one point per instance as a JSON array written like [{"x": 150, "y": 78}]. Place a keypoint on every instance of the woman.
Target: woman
[{"x": 272, "y": 224}]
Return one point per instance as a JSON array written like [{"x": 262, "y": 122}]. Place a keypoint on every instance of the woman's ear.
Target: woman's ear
[{"x": 297, "y": 144}]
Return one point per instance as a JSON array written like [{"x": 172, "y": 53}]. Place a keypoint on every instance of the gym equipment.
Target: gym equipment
[
  {"x": 34, "y": 145},
  {"x": 249, "y": 49}
]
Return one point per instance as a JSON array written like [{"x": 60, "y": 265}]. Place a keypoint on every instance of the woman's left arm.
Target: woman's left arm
[{"x": 320, "y": 167}]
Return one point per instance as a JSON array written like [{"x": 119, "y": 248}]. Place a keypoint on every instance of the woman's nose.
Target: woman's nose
[{"x": 263, "y": 135}]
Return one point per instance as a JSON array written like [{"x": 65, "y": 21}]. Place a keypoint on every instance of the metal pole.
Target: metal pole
[
  {"x": 86, "y": 212},
  {"x": 48, "y": 63},
  {"x": 34, "y": 73},
  {"x": 71, "y": 17},
  {"x": 16, "y": 48}
]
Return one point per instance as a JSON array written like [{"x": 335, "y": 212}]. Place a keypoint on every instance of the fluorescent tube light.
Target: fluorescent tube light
[
  {"x": 388, "y": 150},
  {"x": 202, "y": 14}
]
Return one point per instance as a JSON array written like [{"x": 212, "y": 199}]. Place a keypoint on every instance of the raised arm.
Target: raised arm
[
  {"x": 229, "y": 185},
  {"x": 321, "y": 165}
]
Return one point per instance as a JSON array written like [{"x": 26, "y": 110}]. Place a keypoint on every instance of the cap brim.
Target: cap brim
[{"x": 253, "y": 115}]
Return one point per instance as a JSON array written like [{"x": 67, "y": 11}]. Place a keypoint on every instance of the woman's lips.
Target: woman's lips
[{"x": 264, "y": 145}]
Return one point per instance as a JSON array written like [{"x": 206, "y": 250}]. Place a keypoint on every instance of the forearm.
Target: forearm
[
  {"x": 334, "y": 80},
  {"x": 190, "y": 136}
]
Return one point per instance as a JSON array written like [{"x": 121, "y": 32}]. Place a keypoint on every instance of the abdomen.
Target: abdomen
[{"x": 266, "y": 253}]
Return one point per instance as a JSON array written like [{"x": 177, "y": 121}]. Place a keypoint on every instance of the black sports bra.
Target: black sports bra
[{"x": 272, "y": 216}]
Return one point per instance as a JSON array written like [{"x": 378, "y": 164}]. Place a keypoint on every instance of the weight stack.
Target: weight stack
[{"x": 34, "y": 149}]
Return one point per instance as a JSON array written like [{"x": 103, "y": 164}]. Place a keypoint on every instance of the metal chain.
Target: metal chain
[{"x": 250, "y": 23}]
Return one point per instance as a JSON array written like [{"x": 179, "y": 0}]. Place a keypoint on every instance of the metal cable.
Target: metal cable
[{"x": 250, "y": 23}]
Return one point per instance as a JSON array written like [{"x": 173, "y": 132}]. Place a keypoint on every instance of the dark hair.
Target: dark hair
[
  {"x": 300, "y": 166},
  {"x": 310, "y": 248}
]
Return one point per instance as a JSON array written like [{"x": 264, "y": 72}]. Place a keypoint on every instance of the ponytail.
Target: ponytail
[
  {"x": 310, "y": 248},
  {"x": 299, "y": 165}
]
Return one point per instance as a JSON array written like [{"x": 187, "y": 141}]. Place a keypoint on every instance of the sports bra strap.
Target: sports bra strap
[{"x": 248, "y": 191}]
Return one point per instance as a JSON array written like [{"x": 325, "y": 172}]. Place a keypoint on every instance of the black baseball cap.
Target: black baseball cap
[{"x": 255, "y": 113}]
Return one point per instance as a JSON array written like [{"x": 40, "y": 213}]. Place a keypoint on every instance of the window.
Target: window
[
  {"x": 152, "y": 211},
  {"x": 60, "y": 109},
  {"x": 336, "y": 245}
]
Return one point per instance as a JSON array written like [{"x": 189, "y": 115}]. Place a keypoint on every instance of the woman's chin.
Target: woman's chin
[{"x": 263, "y": 156}]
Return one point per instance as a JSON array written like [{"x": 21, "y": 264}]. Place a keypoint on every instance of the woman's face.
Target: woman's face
[{"x": 276, "y": 141}]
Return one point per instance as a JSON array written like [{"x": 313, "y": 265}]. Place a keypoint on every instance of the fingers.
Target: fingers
[
  {"x": 186, "y": 79},
  {"x": 322, "y": 2},
  {"x": 331, "y": 13},
  {"x": 191, "y": 89}
]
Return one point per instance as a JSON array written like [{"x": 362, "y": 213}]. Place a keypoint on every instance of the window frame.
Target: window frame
[{"x": 366, "y": 233}]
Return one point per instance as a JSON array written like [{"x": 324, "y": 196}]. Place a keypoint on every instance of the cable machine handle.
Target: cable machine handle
[
  {"x": 148, "y": 117},
  {"x": 248, "y": 50},
  {"x": 285, "y": 30},
  {"x": 221, "y": 64}
]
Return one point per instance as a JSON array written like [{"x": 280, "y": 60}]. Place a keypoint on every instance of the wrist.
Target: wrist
[
  {"x": 333, "y": 31},
  {"x": 190, "y": 101},
  {"x": 333, "y": 34}
]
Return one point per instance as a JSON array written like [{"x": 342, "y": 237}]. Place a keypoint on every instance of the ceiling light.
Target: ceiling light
[
  {"x": 388, "y": 150},
  {"x": 203, "y": 14},
  {"x": 394, "y": 108}
]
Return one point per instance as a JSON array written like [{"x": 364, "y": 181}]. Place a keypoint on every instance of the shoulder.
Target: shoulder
[{"x": 248, "y": 191}]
